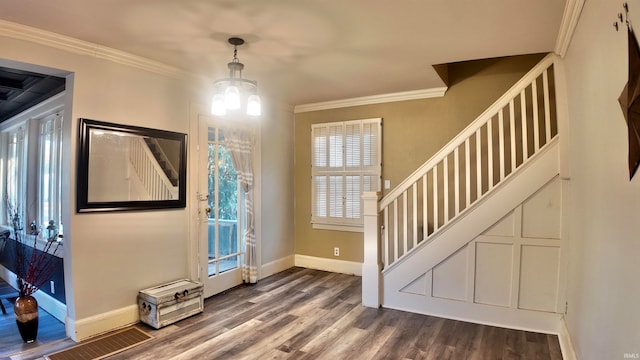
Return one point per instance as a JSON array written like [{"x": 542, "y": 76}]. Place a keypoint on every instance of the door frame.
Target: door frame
[{"x": 194, "y": 204}]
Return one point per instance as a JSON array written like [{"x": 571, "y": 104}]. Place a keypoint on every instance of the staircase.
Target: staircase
[
  {"x": 474, "y": 233},
  {"x": 158, "y": 179},
  {"x": 163, "y": 161}
]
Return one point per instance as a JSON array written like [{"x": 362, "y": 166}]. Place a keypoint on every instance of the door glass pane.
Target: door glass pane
[
  {"x": 211, "y": 177},
  {"x": 223, "y": 227}
]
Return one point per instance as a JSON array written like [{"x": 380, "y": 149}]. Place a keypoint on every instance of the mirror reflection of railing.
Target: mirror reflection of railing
[{"x": 149, "y": 171}]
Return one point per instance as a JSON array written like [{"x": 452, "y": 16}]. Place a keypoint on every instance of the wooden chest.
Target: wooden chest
[{"x": 165, "y": 304}]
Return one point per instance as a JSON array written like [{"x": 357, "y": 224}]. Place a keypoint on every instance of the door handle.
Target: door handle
[{"x": 207, "y": 210}]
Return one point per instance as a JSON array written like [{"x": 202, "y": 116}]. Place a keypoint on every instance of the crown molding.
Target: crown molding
[
  {"x": 570, "y": 17},
  {"x": 375, "y": 99},
  {"x": 66, "y": 43}
]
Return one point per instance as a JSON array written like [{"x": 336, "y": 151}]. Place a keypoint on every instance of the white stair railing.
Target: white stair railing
[
  {"x": 501, "y": 140},
  {"x": 151, "y": 175}
]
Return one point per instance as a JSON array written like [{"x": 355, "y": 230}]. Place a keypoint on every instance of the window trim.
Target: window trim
[
  {"x": 30, "y": 121},
  {"x": 342, "y": 169}
]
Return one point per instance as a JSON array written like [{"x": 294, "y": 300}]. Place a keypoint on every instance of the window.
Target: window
[
  {"x": 50, "y": 144},
  {"x": 346, "y": 161},
  {"x": 34, "y": 184},
  {"x": 15, "y": 167}
]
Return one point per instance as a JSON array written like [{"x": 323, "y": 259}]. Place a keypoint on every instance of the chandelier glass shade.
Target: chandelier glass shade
[{"x": 235, "y": 94}]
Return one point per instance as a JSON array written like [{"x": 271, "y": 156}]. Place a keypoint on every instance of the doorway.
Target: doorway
[
  {"x": 222, "y": 215},
  {"x": 31, "y": 138}
]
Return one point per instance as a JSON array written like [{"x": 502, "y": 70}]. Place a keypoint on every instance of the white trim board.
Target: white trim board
[
  {"x": 374, "y": 99},
  {"x": 277, "y": 266},
  {"x": 47, "y": 107},
  {"x": 566, "y": 346},
  {"x": 570, "y": 17},
  {"x": 324, "y": 264},
  {"x": 50, "y": 304},
  {"x": 109, "y": 321},
  {"x": 510, "y": 318},
  {"x": 86, "y": 328}
]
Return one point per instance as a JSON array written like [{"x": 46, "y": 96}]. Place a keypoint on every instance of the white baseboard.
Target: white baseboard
[
  {"x": 510, "y": 318},
  {"x": 51, "y": 305},
  {"x": 568, "y": 352},
  {"x": 277, "y": 266},
  {"x": 337, "y": 266},
  {"x": 91, "y": 326}
]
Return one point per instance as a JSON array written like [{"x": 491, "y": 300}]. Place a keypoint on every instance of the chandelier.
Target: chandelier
[{"x": 235, "y": 93}]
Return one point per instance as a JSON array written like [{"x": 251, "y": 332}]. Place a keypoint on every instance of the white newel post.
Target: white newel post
[{"x": 372, "y": 266}]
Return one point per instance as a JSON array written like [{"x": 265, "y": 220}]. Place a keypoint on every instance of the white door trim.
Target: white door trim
[{"x": 196, "y": 111}]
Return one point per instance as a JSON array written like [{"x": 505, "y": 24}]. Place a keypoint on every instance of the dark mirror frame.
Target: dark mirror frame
[{"x": 82, "y": 186}]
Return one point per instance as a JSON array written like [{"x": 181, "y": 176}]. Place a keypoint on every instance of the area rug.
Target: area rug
[{"x": 104, "y": 346}]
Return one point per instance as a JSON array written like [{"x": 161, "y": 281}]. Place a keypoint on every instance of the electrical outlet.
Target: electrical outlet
[
  {"x": 53, "y": 287},
  {"x": 336, "y": 251},
  {"x": 387, "y": 184}
]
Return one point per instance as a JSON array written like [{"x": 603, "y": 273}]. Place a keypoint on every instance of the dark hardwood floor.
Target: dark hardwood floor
[{"x": 309, "y": 314}]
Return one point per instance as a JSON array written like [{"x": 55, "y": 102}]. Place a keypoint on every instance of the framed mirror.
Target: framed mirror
[{"x": 123, "y": 167}]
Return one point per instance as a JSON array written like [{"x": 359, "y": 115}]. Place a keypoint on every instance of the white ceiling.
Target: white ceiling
[{"x": 306, "y": 51}]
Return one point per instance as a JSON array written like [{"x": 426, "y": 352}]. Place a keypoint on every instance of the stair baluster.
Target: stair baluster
[
  {"x": 150, "y": 173},
  {"x": 494, "y": 146}
]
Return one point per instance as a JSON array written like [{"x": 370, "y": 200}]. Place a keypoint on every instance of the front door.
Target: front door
[{"x": 221, "y": 211}]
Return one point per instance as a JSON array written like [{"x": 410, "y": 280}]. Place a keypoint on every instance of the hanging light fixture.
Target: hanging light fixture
[{"x": 235, "y": 93}]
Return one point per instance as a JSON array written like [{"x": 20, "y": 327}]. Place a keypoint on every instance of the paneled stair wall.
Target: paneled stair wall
[{"x": 474, "y": 233}]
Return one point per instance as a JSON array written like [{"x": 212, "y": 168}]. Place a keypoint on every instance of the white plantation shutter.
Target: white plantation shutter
[
  {"x": 335, "y": 196},
  {"x": 370, "y": 183},
  {"x": 320, "y": 195},
  {"x": 346, "y": 160},
  {"x": 353, "y": 145},
  {"x": 353, "y": 195},
  {"x": 336, "y": 140},
  {"x": 320, "y": 148},
  {"x": 370, "y": 139}
]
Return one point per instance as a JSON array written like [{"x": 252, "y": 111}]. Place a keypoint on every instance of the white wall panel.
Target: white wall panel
[
  {"x": 539, "y": 267},
  {"x": 494, "y": 265},
  {"x": 450, "y": 277},
  {"x": 504, "y": 227},
  {"x": 541, "y": 213},
  {"x": 419, "y": 286}
]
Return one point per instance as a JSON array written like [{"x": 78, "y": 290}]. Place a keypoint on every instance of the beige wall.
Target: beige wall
[
  {"x": 412, "y": 132},
  {"x": 277, "y": 181},
  {"x": 109, "y": 257},
  {"x": 603, "y": 289}
]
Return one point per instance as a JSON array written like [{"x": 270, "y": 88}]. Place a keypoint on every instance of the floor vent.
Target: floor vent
[{"x": 104, "y": 346}]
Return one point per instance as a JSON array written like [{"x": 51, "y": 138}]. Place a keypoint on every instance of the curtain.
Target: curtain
[{"x": 241, "y": 147}]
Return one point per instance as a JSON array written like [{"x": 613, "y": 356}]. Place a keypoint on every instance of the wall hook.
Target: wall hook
[
  {"x": 615, "y": 25},
  {"x": 626, "y": 14}
]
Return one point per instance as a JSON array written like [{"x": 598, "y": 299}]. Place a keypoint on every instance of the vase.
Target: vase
[{"x": 26, "y": 311}]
